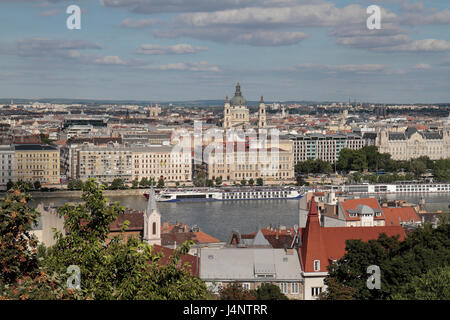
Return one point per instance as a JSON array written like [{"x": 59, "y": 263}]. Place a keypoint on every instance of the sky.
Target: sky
[{"x": 174, "y": 50}]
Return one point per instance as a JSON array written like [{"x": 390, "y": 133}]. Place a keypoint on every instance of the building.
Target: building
[
  {"x": 326, "y": 147},
  {"x": 161, "y": 162},
  {"x": 411, "y": 143},
  {"x": 401, "y": 216},
  {"x": 153, "y": 111},
  {"x": 236, "y": 163},
  {"x": 6, "y": 164},
  {"x": 252, "y": 267},
  {"x": 236, "y": 114},
  {"x": 37, "y": 162},
  {"x": 322, "y": 246},
  {"x": 49, "y": 220}
]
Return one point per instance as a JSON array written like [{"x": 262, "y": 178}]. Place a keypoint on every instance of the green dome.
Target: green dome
[{"x": 238, "y": 99}]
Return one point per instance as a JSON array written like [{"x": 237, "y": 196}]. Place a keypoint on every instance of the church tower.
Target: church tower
[
  {"x": 262, "y": 114},
  {"x": 152, "y": 221},
  {"x": 226, "y": 114}
]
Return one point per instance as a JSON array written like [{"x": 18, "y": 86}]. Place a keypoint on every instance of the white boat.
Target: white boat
[
  {"x": 229, "y": 194},
  {"x": 394, "y": 188}
]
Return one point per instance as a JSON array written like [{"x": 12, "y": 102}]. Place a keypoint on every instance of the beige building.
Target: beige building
[
  {"x": 161, "y": 162},
  {"x": 236, "y": 163},
  {"x": 412, "y": 143},
  {"x": 6, "y": 164},
  {"x": 106, "y": 163},
  {"x": 35, "y": 162}
]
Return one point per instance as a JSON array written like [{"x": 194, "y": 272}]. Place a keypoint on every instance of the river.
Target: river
[{"x": 219, "y": 218}]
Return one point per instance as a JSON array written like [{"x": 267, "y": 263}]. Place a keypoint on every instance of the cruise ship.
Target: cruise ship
[
  {"x": 393, "y": 188},
  {"x": 228, "y": 194}
]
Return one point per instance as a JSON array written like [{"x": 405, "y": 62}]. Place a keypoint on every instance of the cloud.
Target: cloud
[
  {"x": 174, "y": 6},
  {"x": 182, "y": 48},
  {"x": 49, "y": 13},
  {"x": 201, "y": 66},
  {"x": 36, "y": 47},
  {"x": 347, "y": 68},
  {"x": 422, "y": 66},
  {"x": 142, "y": 23}
]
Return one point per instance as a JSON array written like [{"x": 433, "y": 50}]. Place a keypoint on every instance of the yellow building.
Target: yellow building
[{"x": 35, "y": 162}]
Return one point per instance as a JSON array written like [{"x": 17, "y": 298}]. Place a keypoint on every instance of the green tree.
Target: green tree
[
  {"x": 269, "y": 291},
  {"x": 209, "y": 183},
  {"x": 200, "y": 180},
  {"x": 218, "y": 181},
  {"x": 117, "y": 184},
  {"x": 251, "y": 182},
  {"x": 160, "y": 183},
  {"x": 259, "y": 182},
  {"x": 144, "y": 182},
  {"x": 336, "y": 291},
  {"x": 243, "y": 182},
  {"x": 37, "y": 185},
  {"x": 116, "y": 269},
  {"x": 9, "y": 185},
  {"x": 433, "y": 285},
  {"x": 235, "y": 291},
  {"x": 418, "y": 167},
  {"x": 135, "y": 184},
  {"x": 18, "y": 246}
]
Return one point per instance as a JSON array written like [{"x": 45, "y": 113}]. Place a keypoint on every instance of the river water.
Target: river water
[{"x": 219, "y": 218}]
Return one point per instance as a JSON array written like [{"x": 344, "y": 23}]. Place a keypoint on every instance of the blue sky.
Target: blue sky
[{"x": 198, "y": 49}]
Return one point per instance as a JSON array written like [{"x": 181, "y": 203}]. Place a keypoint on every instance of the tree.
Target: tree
[
  {"x": 218, "y": 181},
  {"x": 259, "y": 181},
  {"x": 336, "y": 291},
  {"x": 251, "y": 182},
  {"x": 144, "y": 182},
  {"x": 18, "y": 246},
  {"x": 269, "y": 291},
  {"x": 37, "y": 185},
  {"x": 200, "y": 180},
  {"x": 433, "y": 285},
  {"x": 243, "y": 182},
  {"x": 400, "y": 262},
  {"x": 418, "y": 167},
  {"x": 209, "y": 183},
  {"x": 9, "y": 185},
  {"x": 116, "y": 269},
  {"x": 160, "y": 183},
  {"x": 117, "y": 184},
  {"x": 135, "y": 183},
  {"x": 235, "y": 291}
]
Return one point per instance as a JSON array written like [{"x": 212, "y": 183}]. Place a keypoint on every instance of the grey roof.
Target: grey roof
[
  {"x": 260, "y": 240},
  {"x": 151, "y": 204},
  {"x": 229, "y": 264}
]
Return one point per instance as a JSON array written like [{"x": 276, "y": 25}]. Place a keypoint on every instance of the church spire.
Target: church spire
[
  {"x": 262, "y": 100},
  {"x": 238, "y": 90},
  {"x": 151, "y": 204}
]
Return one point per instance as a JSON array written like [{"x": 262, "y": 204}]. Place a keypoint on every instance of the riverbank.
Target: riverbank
[{"x": 77, "y": 193}]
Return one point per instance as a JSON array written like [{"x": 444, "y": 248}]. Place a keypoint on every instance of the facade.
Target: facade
[
  {"x": 7, "y": 172},
  {"x": 104, "y": 163},
  {"x": 322, "y": 246},
  {"x": 161, "y": 162},
  {"x": 270, "y": 164},
  {"x": 48, "y": 220},
  {"x": 35, "y": 162},
  {"x": 325, "y": 147},
  {"x": 152, "y": 221},
  {"x": 252, "y": 267},
  {"x": 412, "y": 143}
]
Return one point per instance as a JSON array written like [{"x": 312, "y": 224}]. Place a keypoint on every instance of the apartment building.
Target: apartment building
[
  {"x": 6, "y": 164},
  {"x": 325, "y": 147},
  {"x": 36, "y": 162},
  {"x": 161, "y": 162},
  {"x": 113, "y": 161},
  {"x": 237, "y": 162}
]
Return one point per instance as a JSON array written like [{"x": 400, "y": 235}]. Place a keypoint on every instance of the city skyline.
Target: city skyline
[{"x": 198, "y": 50}]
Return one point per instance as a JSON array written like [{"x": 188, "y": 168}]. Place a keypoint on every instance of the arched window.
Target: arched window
[{"x": 154, "y": 228}]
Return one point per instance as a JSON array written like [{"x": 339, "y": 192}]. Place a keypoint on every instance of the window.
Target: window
[
  {"x": 294, "y": 288},
  {"x": 315, "y": 291},
  {"x": 154, "y": 228},
  {"x": 316, "y": 265},
  {"x": 246, "y": 286},
  {"x": 284, "y": 287}
]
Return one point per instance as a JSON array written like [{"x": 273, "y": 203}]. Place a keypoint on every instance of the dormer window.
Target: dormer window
[{"x": 316, "y": 265}]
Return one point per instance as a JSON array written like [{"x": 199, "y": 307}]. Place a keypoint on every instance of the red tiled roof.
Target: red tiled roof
[
  {"x": 352, "y": 204},
  {"x": 328, "y": 244},
  {"x": 191, "y": 260},
  {"x": 404, "y": 214}
]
